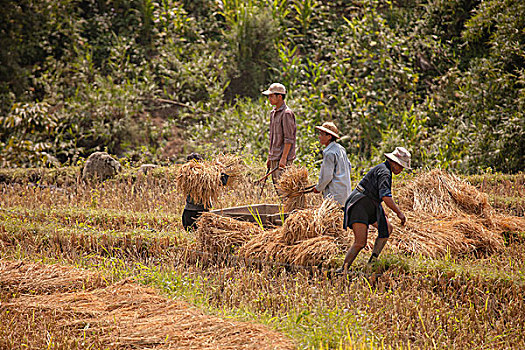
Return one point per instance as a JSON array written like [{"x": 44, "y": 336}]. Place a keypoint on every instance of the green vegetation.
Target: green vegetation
[{"x": 445, "y": 79}]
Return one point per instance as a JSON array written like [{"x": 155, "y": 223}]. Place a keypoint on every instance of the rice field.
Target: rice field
[{"x": 109, "y": 266}]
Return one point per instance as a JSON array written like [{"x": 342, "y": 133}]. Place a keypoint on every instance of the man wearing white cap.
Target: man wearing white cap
[
  {"x": 334, "y": 176},
  {"x": 363, "y": 206},
  {"x": 282, "y": 131}
]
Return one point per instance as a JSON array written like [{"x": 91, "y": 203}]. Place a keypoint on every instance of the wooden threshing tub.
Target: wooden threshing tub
[{"x": 269, "y": 214}]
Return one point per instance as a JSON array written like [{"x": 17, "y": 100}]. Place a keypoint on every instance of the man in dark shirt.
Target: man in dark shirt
[{"x": 363, "y": 206}]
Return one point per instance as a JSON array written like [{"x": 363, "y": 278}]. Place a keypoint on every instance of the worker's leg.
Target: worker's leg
[
  {"x": 360, "y": 237},
  {"x": 380, "y": 242}
]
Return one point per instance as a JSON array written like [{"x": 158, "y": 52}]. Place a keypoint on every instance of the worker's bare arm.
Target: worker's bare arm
[{"x": 389, "y": 201}]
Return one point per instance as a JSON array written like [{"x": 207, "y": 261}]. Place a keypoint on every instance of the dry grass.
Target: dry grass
[
  {"x": 292, "y": 181},
  {"x": 308, "y": 237},
  {"x": 447, "y": 215},
  {"x": 126, "y": 315},
  {"x": 220, "y": 234},
  {"x": 201, "y": 180}
]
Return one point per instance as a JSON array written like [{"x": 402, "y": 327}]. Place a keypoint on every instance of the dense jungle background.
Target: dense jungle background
[{"x": 149, "y": 81}]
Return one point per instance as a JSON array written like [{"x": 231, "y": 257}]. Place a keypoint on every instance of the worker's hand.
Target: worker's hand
[
  {"x": 282, "y": 163},
  {"x": 268, "y": 163},
  {"x": 402, "y": 217},
  {"x": 316, "y": 190}
]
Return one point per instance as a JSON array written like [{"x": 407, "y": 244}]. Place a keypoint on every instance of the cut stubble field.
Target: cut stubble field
[{"x": 127, "y": 275}]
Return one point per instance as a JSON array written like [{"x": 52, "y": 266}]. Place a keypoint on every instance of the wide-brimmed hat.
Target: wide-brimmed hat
[
  {"x": 329, "y": 128},
  {"x": 401, "y": 156},
  {"x": 275, "y": 88}
]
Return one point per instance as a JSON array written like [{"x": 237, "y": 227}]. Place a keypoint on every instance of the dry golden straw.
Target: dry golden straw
[
  {"x": 447, "y": 215},
  {"x": 314, "y": 251},
  {"x": 201, "y": 180},
  {"x": 292, "y": 181},
  {"x": 126, "y": 315},
  {"x": 441, "y": 193},
  {"x": 231, "y": 165},
  {"x": 327, "y": 220},
  {"x": 308, "y": 237},
  {"x": 220, "y": 234}
]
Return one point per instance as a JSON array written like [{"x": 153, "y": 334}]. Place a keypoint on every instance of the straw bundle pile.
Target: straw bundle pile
[
  {"x": 231, "y": 165},
  {"x": 129, "y": 316},
  {"x": 314, "y": 251},
  {"x": 292, "y": 181},
  {"x": 24, "y": 277},
  {"x": 310, "y": 223},
  {"x": 308, "y": 237},
  {"x": 201, "y": 180},
  {"x": 440, "y": 193},
  {"x": 446, "y": 214},
  {"x": 257, "y": 246},
  {"x": 219, "y": 234}
]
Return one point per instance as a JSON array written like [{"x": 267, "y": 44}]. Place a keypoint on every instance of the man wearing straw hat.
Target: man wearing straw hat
[
  {"x": 363, "y": 206},
  {"x": 334, "y": 176},
  {"x": 281, "y": 152}
]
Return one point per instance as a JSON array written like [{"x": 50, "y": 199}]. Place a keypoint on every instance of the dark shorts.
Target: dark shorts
[
  {"x": 189, "y": 217},
  {"x": 365, "y": 211}
]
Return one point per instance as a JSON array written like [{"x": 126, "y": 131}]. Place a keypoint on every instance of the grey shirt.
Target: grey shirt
[
  {"x": 282, "y": 130},
  {"x": 334, "y": 177}
]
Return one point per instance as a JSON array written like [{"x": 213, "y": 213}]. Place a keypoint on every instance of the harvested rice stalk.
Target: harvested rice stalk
[
  {"x": 314, "y": 251},
  {"x": 277, "y": 251},
  {"x": 219, "y": 234},
  {"x": 130, "y": 316},
  {"x": 25, "y": 277},
  {"x": 430, "y": 236},
  {"x": 440, "y": 193},
  {"x": 303, "y": 224},
  {"x": 257, "y": 246},
  {"x": 291, "y": 183},
  {"x": 231, "y": 165},
  {"x": 201, "y": 180}
]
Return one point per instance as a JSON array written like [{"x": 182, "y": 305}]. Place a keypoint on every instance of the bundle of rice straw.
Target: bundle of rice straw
[
  {"x": 429, "y": 236},
  {"x": 231, "y": 165},
  {"x": 440, "y": 193},
  {"x": 201, "y": 180},
  {"x": 292, "y": 181},
  {"x": 220, "y": 234},
  {"x": 308, "y": 237},
  {"x": 314, "y": 251},
  {"x": 447, "y": 215},
  {"x": 257, "y": 246},
  {"x": 327, "y": 220}
]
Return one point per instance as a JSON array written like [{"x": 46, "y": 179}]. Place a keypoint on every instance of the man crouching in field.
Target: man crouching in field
[{"x": 363, "y": 206}]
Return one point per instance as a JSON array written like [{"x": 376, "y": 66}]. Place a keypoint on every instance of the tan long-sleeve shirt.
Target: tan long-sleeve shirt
[{"x": 282, "y": 130}]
